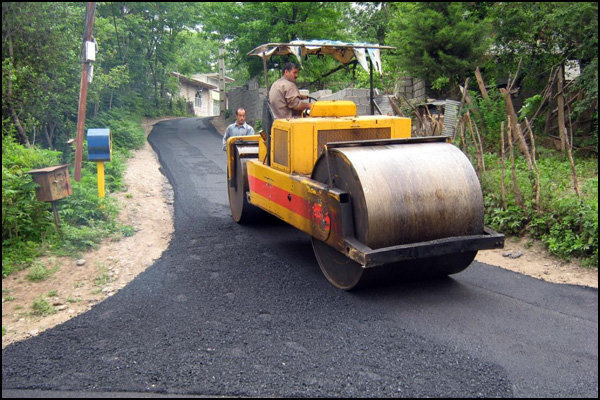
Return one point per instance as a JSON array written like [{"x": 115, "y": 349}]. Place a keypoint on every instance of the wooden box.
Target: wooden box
[{"x": 53, "y": 182}]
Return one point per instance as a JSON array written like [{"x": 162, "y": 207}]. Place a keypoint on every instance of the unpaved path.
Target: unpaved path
[{"x": 148, "y": 207}]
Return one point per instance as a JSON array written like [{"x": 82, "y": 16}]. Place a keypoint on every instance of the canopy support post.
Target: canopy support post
[
  {"x": 371, "y": 86},
  {"x": 264, "y": 58}
]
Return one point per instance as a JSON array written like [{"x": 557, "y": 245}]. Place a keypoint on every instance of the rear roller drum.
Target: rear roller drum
[{"x": 242, "y": 211}]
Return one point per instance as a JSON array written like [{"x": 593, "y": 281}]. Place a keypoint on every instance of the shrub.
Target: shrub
[
  {"x": 565, "y": 223},
  {"x": 28, "y": 228},
  {"x": 492, "y": 112},
  {"x": 126, "y": 130},
  {"x": 25, "y": 221}
]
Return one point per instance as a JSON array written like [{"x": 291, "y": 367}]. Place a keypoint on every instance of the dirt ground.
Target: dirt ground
[{"x": 147, "y": 205}]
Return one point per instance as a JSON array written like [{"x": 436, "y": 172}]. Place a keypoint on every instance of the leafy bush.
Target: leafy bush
[
  {"x": 82, "y": 238},
  {"x": 126, "y": 130},
  {"x": 28, "y": 228},
  {"x": 492, "y": 112},
  {"x": 25, "y": 221},
  {"x": 258, "y": 125},
  {"x": 565, "y": 223},
  {"x": 509, "y": 221},
  {"x": 84, "y": 207}
]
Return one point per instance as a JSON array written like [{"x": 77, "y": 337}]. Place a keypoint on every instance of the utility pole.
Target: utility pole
[
  {"x": 222, "y": 105},
  {"x": 85, "y": 74}
]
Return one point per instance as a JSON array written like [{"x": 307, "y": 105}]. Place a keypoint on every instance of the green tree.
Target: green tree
[
  {"x": 542, "y": 36},
  {"x": 245, "y": 26},
  {"x": 439, "y": 42},
  {"x": 40, "y": 69},
  {"x": 370, "y": 21},
  {"x": 197, "y": 53},
  {"x": 142, "y": 39}
]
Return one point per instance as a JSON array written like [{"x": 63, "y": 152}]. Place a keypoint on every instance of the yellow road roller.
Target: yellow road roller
[{"x": 376, "y": 202}]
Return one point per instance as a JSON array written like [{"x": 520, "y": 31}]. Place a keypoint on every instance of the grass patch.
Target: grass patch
[
  {"x": 39, "y": 272},
  {"x": 127, "y": 230},
  {"x": 41, "y": 307},
  {"x": 104, "y": 278},
  {"x": 72, "y": 300}
]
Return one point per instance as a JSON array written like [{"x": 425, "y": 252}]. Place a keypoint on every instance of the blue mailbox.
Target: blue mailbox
[{"x": 99, "y": 144}]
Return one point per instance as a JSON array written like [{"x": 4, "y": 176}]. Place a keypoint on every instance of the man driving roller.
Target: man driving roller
[{"x": 284, "y": 96}]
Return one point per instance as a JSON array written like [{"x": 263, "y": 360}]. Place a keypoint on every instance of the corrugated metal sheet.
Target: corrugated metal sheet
[{"x": 450, "y": 117}]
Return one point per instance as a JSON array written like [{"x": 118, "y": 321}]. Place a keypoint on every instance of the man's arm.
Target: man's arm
[
  {"x": 226, "y": 136},
  {"x": 293, "y": 98}
]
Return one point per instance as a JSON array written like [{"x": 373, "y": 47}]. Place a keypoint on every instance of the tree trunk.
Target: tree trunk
[
  {"x": 460, "y": 107},
  {"x": 515, "y": 129},
  {"x": 516, "y": 192},
  {"x": 48, "y": 140},
  {"x": 15, "y": 118},
  {"x": 475, "y": 110},
  {"x": 478, "y": 153},
  {"x": 562, "y": 128},
  {"x": 536, "y": 184},
  {"x": 571, "y": 160},
  {"x": 481, "y": 84}
]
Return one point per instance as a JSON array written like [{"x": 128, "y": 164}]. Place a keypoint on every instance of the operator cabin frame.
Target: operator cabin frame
[{"x": 366, "y": 54}]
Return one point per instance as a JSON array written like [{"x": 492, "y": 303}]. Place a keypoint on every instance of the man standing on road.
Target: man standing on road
[
  {"x": 238, "y": 128},
  {"x": 284, "y": 96}
]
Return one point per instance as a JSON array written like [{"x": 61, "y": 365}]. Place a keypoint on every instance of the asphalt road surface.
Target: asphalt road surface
[{"x": 232, "y": 310}]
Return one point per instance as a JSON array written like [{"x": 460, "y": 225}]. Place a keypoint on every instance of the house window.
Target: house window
[{"x": 198, "y": 98}]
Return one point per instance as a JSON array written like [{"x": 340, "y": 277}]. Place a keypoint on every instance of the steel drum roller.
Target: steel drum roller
[
  {"x": 402, "y": 194},
  {"x": 241, "y": 210}
]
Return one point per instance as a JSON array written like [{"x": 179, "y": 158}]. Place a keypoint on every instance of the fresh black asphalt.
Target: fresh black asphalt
[{"x": 232, "y": 310}]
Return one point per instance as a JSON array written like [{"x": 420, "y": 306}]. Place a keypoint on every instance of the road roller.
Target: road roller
[{"x": 377, "y": 203}]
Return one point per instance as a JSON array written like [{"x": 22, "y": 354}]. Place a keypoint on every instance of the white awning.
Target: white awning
[{"x": 341, "y": 51}]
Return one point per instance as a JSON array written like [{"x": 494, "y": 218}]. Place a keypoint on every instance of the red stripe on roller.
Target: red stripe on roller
[{"x": 282, "y": 197}]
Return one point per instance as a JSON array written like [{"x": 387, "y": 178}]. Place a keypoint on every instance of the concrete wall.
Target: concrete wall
[
  {"x": 412, "y": 88},
  {"x": 249, "y": 99}
]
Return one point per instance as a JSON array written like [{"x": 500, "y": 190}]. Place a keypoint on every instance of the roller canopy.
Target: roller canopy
[{"x": 342, "y": 51}]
